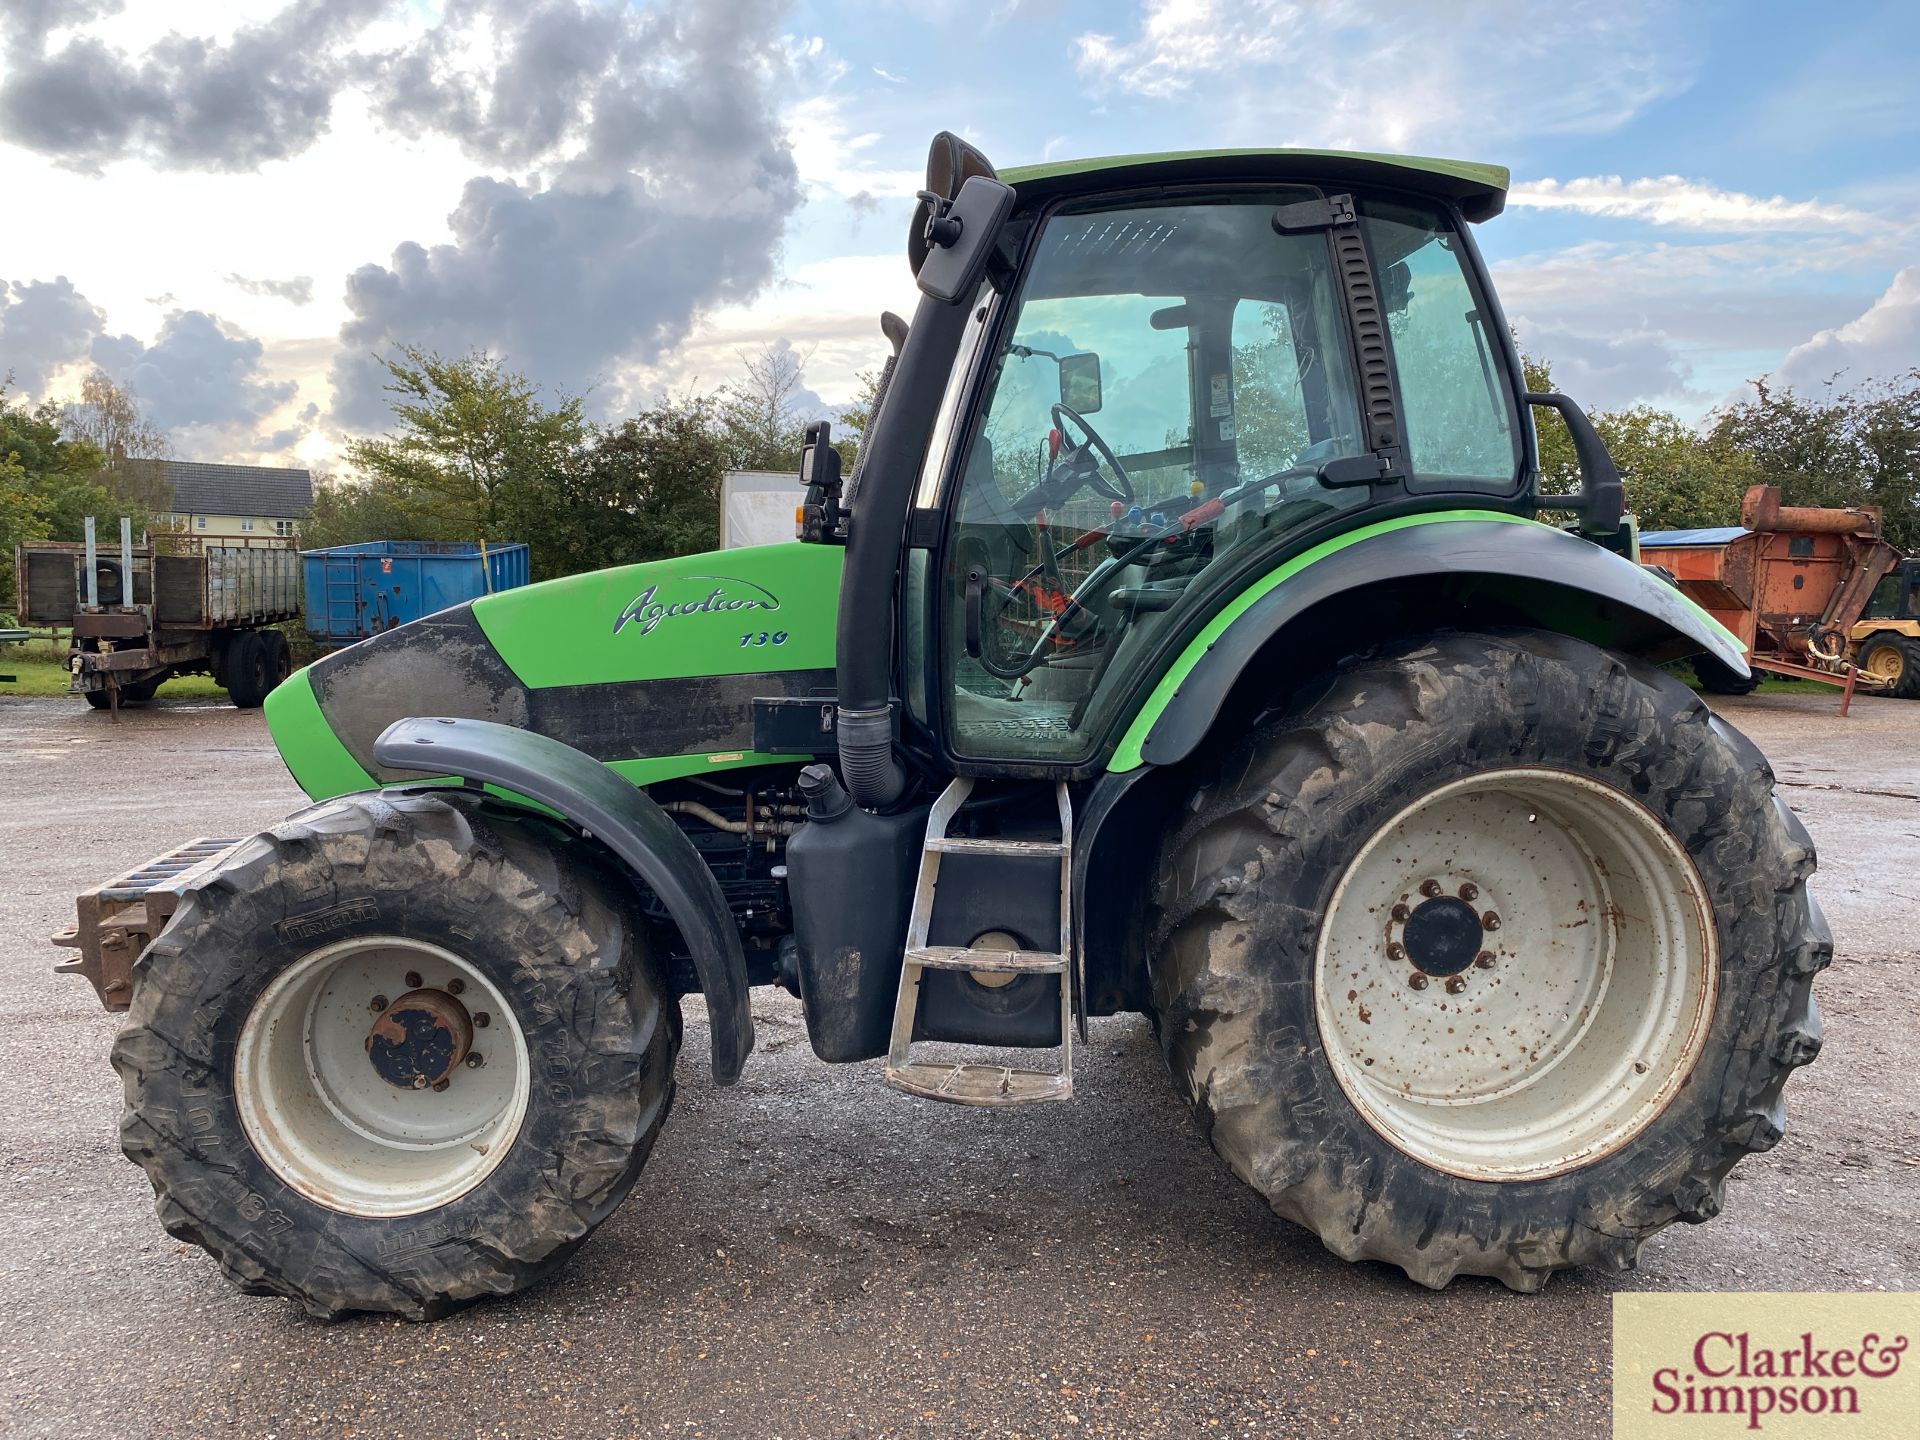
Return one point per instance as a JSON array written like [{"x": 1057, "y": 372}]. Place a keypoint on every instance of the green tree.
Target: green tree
[
  {"x": 1853, "y": 447},
  {"x": 476, "y": 452},
  {"x": 347, "y": 512},
  {"x": 49, "y": 484},
  {"x": 1675, "y": 478},
  {"x": 645, "y": 489}
]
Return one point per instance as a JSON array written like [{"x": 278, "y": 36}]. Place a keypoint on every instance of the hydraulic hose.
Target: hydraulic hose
[{"x": 889, "y": 469}]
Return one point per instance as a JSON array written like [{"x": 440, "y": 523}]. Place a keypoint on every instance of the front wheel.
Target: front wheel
[
  {"x": 1490, "y": 957},
  {"x": 394, "y": 1055},
  {"x": 1894, "y": 661}
]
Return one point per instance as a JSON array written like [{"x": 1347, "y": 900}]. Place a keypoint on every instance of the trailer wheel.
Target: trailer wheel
[
  {"x": 396, "y": 1054},
  {"x": 1490, "y": 957},
  {"x": 1716, "y": 677},
  {"x": 249, "y": 669},
  {"x": 135, "y": 694},
  {"x": 1893, "y": 660}
]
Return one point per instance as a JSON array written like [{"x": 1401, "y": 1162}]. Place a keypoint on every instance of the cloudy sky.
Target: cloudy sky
[{"x": 233, "y": 206}]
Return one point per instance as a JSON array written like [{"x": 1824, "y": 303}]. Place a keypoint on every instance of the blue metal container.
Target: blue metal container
[{"x": 354, "y": 591}]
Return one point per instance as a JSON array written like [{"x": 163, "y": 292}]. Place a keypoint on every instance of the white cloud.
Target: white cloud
[
  {"x": 1608, "y": 372},
  {"x": 889, "y": 76},
  {"x": 1419, "y": 73},
  {"x": 1879, "y": 344},
  {"x": 1687, "y": 204}
]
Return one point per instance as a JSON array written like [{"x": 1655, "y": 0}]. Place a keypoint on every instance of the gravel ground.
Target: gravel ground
[{"x": 810, "y": 1254}]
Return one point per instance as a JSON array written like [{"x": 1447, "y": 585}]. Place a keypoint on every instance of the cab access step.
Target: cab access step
[{"x": 991, "y": 960}]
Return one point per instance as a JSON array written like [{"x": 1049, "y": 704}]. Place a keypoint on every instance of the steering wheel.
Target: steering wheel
[{"x": 1121, "y": 488}]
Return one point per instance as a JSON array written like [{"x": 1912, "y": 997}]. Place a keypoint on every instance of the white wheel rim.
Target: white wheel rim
[
  {"x": 1542, "y": 1038},
  {"x": 325, "y": 1120}
]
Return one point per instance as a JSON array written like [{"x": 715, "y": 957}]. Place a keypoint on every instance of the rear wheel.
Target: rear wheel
[
  {"x": 395, "y": 1055},
  {"x": 1490, "y": 957},
  {"x": 249, "y": 669},
  {"x": 1893, "y": 660}
]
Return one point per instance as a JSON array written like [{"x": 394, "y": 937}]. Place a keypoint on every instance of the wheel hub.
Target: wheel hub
[
  {"x": 1442, "y": 936},
  {"x": 419, "y": 1039},
  {"x": 1515, "y": 973}
]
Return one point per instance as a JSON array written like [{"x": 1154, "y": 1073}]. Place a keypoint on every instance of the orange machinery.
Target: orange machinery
[{"x": 1790, "y": 581}]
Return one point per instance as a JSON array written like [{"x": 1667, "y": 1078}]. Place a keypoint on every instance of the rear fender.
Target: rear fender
[
  {"x": 1469, "y": 569},
  {"x": 622, "y": 818}
]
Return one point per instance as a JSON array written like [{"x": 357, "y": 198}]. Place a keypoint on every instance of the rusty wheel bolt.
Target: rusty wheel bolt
[
  {"x": 455, "y": 986},
  {"x": 481, "y": 1019},
  {"x": 476, "y": 1060},
  {"x": 1455, "y": 984},
  {"x": 1417, "y": 980},
  {"x": 376, "y": 1005},
  {"x": 1469, "y": 891},
  {"x": 440, "y": 1085},
  {"x": 1484, "y": 959},
  {"x": 1430, "y": 888},
  {"x": 1396, "y": 952},
  {"x": 1490, "y": 921},
  {"x": 1400, "y": 914},
  {"x": 413, "y": 979}
]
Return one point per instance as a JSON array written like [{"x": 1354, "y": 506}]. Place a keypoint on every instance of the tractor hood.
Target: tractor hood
[{"x": 652, "y": 668}]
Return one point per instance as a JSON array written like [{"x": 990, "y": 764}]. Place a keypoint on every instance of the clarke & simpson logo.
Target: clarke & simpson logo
[
  {"x": 1781, "y": 1365},
  {"x": 726, "y": 595}
]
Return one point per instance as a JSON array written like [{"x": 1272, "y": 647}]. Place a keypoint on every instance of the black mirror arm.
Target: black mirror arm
[{"x": 1601, "y": 498}]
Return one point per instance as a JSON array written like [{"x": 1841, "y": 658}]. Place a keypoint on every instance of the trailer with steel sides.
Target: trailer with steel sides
[
  {"x": 1188, "y": 640},
  {"x": 176, "y": 605},
  {"x": 1812, "y": 593}
]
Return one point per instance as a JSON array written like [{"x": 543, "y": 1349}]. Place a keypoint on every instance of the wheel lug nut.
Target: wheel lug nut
[
  {"x": 1417, "y": 980},
  {"x": 1455, "y": 984},
  {"x": 1484, "y": 959},
  {"x": 476, "y": 1060},
  {"x": 1469, "y": 891},
  {"x": 1490, "y": 921},
  {"x": 481, "y": 1019},
  {"x": 455, "y": 986},
  {"x": 1400, "y": 914},
  {"x": 419, "y": 1082},
  {"x": 1430, "y": 888},
  {"x": 376, "y": 1005},
  {"x": 1396, "y": 951},
  {"x": 413, "y": 979},
  {"x": 440, "y": 1085}
]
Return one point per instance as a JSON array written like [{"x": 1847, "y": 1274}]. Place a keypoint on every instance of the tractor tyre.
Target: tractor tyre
[
  {"x": 1893, "y": 660},
  {"x": 396, "y": 1054},
  {"x": 249, "y": 669},
  {"x": 1488, "y": 955},
  {"x": 1716, "y": 677}
]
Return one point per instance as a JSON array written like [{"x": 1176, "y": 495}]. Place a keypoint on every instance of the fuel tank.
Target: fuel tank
[{"x": 652, "y": 668}]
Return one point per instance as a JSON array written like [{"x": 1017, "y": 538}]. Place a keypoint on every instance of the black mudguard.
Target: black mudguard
[
  {"x": 621, "y": 817},
  {"x": 1554, "y": 579}
]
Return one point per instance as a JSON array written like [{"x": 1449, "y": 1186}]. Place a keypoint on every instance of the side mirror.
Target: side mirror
[
  {"x": 960, "y": 237},
  {"x": 1600, "y": 498},
  {"x": 1080, "y": 382}
]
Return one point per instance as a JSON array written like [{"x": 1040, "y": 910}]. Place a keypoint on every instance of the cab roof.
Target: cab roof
[{"x": 1479, "y": 190}]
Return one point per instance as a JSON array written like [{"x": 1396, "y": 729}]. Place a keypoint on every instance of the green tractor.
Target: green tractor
[{"x": 1185, "y": 641}]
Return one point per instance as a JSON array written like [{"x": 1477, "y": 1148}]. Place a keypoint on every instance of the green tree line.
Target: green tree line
[{"x": 476, "y": 452}]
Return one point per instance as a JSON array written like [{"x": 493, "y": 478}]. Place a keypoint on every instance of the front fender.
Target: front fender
[
  {"x": 1530, "y": 570},
  {"x": 621, "y": 817}
]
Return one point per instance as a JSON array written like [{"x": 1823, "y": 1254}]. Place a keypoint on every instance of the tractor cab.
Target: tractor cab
[{"x": 1141, "y": 383}]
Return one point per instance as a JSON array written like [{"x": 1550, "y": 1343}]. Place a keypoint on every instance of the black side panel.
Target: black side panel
[
  {"x": 619, "y": 816},
  {"x": 1543, "y": 572},
  {"x": 445, "y": 665}
]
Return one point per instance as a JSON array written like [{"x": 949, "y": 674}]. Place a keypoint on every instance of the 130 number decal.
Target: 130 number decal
[{"x": 777, "y": 637}]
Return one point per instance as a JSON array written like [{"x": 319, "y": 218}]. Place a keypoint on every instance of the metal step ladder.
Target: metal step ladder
[{"x": 979, "y": 1084}]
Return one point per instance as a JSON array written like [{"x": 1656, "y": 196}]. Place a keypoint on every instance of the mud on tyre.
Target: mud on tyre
[
  {"x": 1488, "y": 955},
  {"x": 397, "y": 1054}
]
